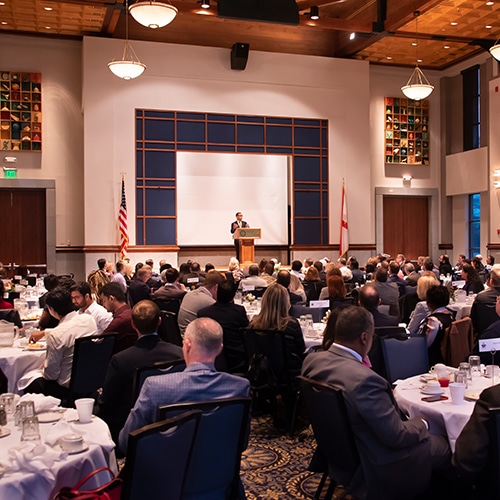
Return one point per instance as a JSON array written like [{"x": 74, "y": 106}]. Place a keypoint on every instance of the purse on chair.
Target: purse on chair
[{"x": 109, "y": 491}]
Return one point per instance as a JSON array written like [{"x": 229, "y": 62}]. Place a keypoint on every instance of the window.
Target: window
[
  {"x": 471, "y": 96},
  {"x": 474, "y": 224}
]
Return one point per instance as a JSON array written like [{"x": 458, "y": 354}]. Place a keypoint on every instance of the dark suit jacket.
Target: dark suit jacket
[
  {"x": 138, "y": 290},
  {"x": 116, "y": 399},
  {"x": 234, "y": 225},
  {"x": 483, "y": 312},
  {"x": 391, "y": 449},
  {"x": 472, "y": 447},
  {"x": 382, "y": 319}
]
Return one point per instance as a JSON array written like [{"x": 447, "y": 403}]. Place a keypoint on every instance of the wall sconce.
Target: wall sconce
[
  {"x": 407, "y": 180},
  {"x": 496, "y": 183}
]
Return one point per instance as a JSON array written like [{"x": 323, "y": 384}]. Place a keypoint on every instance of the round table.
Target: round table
[
  {"x": 43, "y": 484},
  {"x": 16, "y": 361},
  {"x": 444, "y": 418}
]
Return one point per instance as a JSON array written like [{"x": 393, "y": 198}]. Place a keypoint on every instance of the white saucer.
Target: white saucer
[
  {"x": 84, "y": 447},
  {"x": 47, "y": 417},
  {"x": 41, "y": 348},
  {"x": 428, "y": 393},
  {"x": 4, "y": 432}
]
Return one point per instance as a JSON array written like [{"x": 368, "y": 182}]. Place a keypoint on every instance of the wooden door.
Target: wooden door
[
  {"x": 406, "y": 226},
  {"x": 23, "y": 238}
]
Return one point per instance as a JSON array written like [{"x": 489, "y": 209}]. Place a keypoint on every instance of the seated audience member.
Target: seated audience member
[
  {"x": 400, "y": 260},
  {"x": 296, "y": 287},
  {"x": 234, "y": 274},
  {"x": 198, "y": 299},
  {"x": 194, "y": 278},
  {"x": 358, "y": 276},
  {"x": 119, "y": 276},
  {"x": 437, "y": 322},
  {"x": 388, "y": 292},
  {"x": 473, "y": 283},
  {"x": 267, "y": 274},
  {"x": 114, "y": 301},
  {"x": 370, "y": 269},
  {"x": 344, "y": 270},
  {"x": 198, "y": 382},
  {"x": 253, "y": 278},
  {"x": 50, "y": 282},
  {"x": 296, "y": 269},
  {"x": 461, "y": 260},
  {"x": 172, "y": 289},
  {"x": 492, "y": 332},
  {"x": 60, "y": 344},
  {"x": 232, "y": 317},
  {"x": 369, "y": 300},
  {"x": 428, "y": 265},
  {"x": 445, "y": 265},
  {"x": 483, "y": 312},
  {"x": 83, "y": 301},
  {"x": 421, "y": 310},
  {"x": 138, "y": 288},
  {"x": 410, "y": 275},
  {"x": 98, "y": 278},
  {"x": 312, "y": 284},
  {"x": 154, "y": 281},
  {"x": 274, "y": 315},
  {"x": 490, "y": 262},
  {"x": 307, "y": 264},
  {"x": 474, "y": 448},
  {"x": 391, "y": 448},
  {"x": 337, "y": 292},
  {"x": 284, "y": 279},
  {"x": 117, "y": 396},
  {"x": 208, "y": 267},
  {"x": 333, "y": 270},
  {"x": 393, "y": 277},
  {"x": 321, "y": 271},
  {"x": 3, "y": 303}
]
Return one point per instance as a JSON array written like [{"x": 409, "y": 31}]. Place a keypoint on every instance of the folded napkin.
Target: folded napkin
[
  {"x": 96, "y": 432},
  {"x": 41, "y": 402},
  {"x": 33, "y": 457}
]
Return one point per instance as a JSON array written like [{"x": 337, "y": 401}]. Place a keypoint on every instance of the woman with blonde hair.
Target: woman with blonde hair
[
  {"x": 274, "y": 315},
  {"x": 421, "y": 310},
  {"x": 234, "y": 273}
]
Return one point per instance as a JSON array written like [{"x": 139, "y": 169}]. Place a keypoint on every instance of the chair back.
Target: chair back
[
  {"x": 332, "y": 430},
  {"x": 375, "y": 355},
  {"x": 169, "y": 328},
  {"x": 458, "y": 342},
  {"x": 405, "y": 358},
  {"x": 484, "y": 315},
  {"x": 232, "y": 359},
  {"x": 155, "y": 450},
  {"x": 317, "y": 313},
  {"x": 11, "y": 316},
  {"x": 155, "y": 369},
  {"x": 494, "y": 455},
  {"x": 91, "y": 357},
  {"x": 168, "y": 305},
  {"x": 407, "y": 304},
  {"x": 214, "y": 470}
]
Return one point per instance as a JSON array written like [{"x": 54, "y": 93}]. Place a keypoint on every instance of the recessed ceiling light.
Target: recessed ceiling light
[
  {"x": 352, "y": 36},
  {"x": 4, "y": 22},
  {"x": 414, "y": 44},
  {"x": 488, "y": 26},
  {"x": 2, "y": 3},
  {"x": 48, "y": 27},
  {"x": 454, "y": 23},
  {"x": 419, "y": 60},
  {"x": 389, "y": 58},
  {"x": 446, "y": 46},
  {"x": 490, "y": 3},
  {"x": 47, "y": 8}
]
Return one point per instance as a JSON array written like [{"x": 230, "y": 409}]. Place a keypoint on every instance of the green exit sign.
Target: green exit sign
[{"x": 10, "y": 173}]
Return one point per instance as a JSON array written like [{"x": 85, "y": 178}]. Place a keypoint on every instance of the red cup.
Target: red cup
[{"x": 444, "y": 382}]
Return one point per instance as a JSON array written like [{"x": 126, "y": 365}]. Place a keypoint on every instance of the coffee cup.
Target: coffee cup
[
  {"x": 457, "y": 393},
  {"x": 440, "y": 370},
  {"x": 492, "y": 371},
  {"x": 84, "y": 407},
  {"x": 433, "y": 387},
  {"x": 71, "y": 442}
]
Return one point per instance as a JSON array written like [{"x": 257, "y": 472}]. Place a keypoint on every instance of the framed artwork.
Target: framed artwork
[
  {"x": 406, "y": 131},
  {"x": 20, "y": 111}
]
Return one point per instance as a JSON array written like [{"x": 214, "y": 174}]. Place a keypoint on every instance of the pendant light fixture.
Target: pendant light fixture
[
  {"x": 129, "y": 66},
  {"x": 153, "y": 14},
  {"x": 495, "y": 50},
  {"x": 417, "y": 87}
]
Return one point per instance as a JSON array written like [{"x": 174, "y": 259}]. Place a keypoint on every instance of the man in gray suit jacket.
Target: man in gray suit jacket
[{"x": 397, "y": 455}]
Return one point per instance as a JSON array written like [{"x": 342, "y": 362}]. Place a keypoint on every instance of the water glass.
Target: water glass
[
  {"x": 461, "y": 378},
  {"x": 7, "y": 400},
  {"x": 25, "y": 409},
  {"x": 30, "y": 429},
  {"x": 303, "y": 322},
  {"x": 465, "y": 367},
  {"x": 475, "y": 366}
]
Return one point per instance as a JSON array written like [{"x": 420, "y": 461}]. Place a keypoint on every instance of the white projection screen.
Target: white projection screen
[{"x": 212, "y": 187}]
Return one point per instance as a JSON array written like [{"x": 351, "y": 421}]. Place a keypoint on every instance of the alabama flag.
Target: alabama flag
[{"x": 344, "y": 227}]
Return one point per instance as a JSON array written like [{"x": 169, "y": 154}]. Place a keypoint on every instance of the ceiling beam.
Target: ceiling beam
[
  {"x": 332, "y": 23},
  {"x": 307, "y": 4},
  {"x": 403, "y": 12}
]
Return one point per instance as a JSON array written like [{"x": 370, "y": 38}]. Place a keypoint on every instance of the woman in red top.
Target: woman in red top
[{"x": 3, "y": 303}]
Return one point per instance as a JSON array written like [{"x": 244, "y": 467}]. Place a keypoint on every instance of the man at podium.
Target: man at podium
[{"x": 239, "y": 222}]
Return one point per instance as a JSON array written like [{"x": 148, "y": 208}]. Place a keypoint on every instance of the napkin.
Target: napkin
[
  {"x": 41, "y": 402},
  {"x": 96, "y": 432},
  {"x": 33, "y": 457},
  {"x": 28, "y": 377}
]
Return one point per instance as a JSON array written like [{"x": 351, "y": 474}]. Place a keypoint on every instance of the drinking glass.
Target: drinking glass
[
  {"x": 475, "y": 366},
  {"x": 26, "y": 410},
  {"x": 461, "y": 378},
  {"x": 465, "y": 367},
  {"x": 30, "y": 429},
  {"x": 7, "y": 400}
]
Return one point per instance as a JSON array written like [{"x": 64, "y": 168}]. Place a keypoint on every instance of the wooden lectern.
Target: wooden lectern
[{"x": 245, "y": 237}]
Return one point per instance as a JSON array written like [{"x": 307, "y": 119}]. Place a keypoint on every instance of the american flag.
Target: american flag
[
  {"x": 122, "y": 223},
  {"x": 344, "y": 227}
]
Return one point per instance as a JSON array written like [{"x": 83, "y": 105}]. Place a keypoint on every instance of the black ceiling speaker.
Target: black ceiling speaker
[
  {"x": 273, "y": 11},
  {"x": 239, "y": 55}
]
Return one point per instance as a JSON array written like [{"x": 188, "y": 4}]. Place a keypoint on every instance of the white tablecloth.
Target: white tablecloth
[
  {"x": 444, "y": 418},
  {"x": 24, "y": 485},
  {"x": 317, "y": 339},
  {"x": 16, "y": 362},
  {"x": 462, "y": 309}
]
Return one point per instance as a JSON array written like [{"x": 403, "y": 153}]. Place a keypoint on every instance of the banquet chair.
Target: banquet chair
[
  {"x": 158, "y": 368},
  {"x": 317, "y": 312},
  {"x": 11, "y": 316},
  {"x": 168, "y": 330},
  {"x": 405, "y": 358},
  {"x": 158, "y": 458},
  {"x": 458, "y": 342},
  {"x": 375, "y": 355},
  {"x": 332, "y": 431},
  {"x": 214, "y": 470},
  {"x": 168, "y": 305},
  {"x": 91, "y": 357}
]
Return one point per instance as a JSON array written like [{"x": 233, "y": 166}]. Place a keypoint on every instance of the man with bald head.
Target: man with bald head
[
  {"x": 369, "y": 299},
  {"x": 200, "y": 381}
]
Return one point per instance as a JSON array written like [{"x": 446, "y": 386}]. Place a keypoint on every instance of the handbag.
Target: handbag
[{"x": 109, "y": 491}]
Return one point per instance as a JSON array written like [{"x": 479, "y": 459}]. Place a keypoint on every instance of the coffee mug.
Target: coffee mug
[
  {"x": 433, "y": 387},
  {"x": 492, "y": 371},
  {"x": 71, "y": 442}
]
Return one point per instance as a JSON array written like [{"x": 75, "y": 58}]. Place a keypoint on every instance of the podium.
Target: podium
[{"x": 245, "y": 237}]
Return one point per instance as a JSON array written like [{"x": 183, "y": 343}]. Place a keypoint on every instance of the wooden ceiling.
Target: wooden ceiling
[{"x": 384, "y": 31}]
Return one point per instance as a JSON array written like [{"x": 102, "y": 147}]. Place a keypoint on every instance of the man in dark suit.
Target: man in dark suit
[
  {"x": 117, "y": 396},
  {"x": 397, "y": 455},
  {"x": 394, "y": 277},
  {"x": 238, "y": 223},
  {"x": 483, "y": 312},
  {"x": 232, "y": 317},
  {"x": 370, "y": 300},
  {"x": 473, "y": 447},
  {"x": 139, "y": 289}
]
